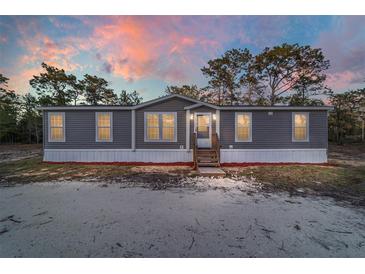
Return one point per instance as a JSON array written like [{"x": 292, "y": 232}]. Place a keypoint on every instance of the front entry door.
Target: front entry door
[{"x": 203, "y": 129}]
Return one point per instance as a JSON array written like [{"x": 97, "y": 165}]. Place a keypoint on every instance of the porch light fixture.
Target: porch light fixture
[
  {"x": 214, "y": 117},
  {"x": 191, "y": 116}
]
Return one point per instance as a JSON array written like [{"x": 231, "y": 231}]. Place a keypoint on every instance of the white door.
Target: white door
[{"x": 203, "y": 129}]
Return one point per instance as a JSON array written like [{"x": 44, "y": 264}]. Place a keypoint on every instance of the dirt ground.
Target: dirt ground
[
  {"x": 210, "y": 218},
  {"x": 347, "y": 154},
  {"x": 67, "y": 210},
  {"x": 342, "y": 179},
  {"x": 9, "y": 153}
]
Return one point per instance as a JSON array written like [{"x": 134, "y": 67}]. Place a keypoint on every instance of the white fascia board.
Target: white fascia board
[
  {"x": 276, "y": 108},
  {"x": 173, "y": 96},
  {"x": 86, "y": 108}
]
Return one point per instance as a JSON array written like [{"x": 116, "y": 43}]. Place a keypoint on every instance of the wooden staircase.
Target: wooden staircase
[{"x": 206, "y": 157}]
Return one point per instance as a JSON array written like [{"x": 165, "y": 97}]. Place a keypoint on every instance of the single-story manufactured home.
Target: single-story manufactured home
[{"x": 180, "y": 130}]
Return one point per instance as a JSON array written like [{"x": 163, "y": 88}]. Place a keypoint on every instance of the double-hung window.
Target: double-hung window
[
  {"x": 243, "y": 127},
  {"x": 56, "y": 126},
  {"x": 160, "y": 126},
  {"x": 104, "y": 130},
  {"x": 300, "y": 127}
]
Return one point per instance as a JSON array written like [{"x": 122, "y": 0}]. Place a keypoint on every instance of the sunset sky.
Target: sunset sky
[{"x": 147, "y": 53}]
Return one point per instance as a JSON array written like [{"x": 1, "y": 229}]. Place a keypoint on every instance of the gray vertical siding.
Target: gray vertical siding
[
  {"x": 171, "y": 105},
  {"x": 274, "y": 131},
  {"x": 268, "y": 132},
  {"x": 80, "y": 130}
]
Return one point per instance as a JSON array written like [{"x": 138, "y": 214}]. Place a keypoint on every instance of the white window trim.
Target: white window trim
[
  {"x": 160, "y": 140},
  {"x": 235, "y": 127},
  {"x": 63, "y": 127},
  {"x": 293, "y": 127},
  {"x": 97, "y": 128}
]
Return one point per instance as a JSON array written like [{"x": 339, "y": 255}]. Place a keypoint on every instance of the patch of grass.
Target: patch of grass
[
  {"x": 347, "y": 180},
  {"x": 34, "y": 170}
]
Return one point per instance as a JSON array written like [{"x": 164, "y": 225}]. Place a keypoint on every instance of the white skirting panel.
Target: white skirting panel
[
  {"x": 117, "y": 155},
  {"x": 176, "y": 155},
  {"x": 273, "y": 155}
]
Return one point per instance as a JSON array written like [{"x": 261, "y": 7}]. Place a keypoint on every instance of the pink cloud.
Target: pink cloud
[
  {"x": 345, "y": 48},
  {"x": 155, "y": 47},
  {"x": 134, "y": 50},
  {"x": 38, "y": 48},
  {"x": 41, "y": 48},
  {"x": 3, "y": 39},
  {"x": 167, "y": 48},
  {"x": 344, "y": 79},
  {"x": 20, "y": 81}
]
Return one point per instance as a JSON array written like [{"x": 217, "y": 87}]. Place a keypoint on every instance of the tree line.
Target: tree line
[
  {"x": 284, "y": 74},
  {"x": 287, "y": 74},
  {"x": 21, "y": 122}
]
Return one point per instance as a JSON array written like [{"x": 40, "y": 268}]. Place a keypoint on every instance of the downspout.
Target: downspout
[
  {"x": 218, "y": 122},
  {"x": 187, "y": 138},
  {"x": 133, "y": 133}
]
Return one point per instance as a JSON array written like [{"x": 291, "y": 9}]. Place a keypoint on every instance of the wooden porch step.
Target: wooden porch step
[
  {"x": 207, "y": 160},
  {"x": 208, "y": 164},
  {"x": 207, "y": 156},
  {"x": 211, "y": 172}
]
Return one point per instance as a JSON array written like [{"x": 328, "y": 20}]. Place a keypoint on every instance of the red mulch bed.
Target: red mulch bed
[{"x": 187, "y": 164}]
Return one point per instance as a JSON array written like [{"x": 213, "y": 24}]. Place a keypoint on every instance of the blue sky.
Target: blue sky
[{"x": 147, "y": 53}]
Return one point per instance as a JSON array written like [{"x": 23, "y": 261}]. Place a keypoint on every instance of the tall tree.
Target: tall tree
[
  {"x": 288, "y": 68},
  {"x": 54, "y": 84},
  {"x": 6, "y": 96},
  {"x": 76, "y": 90},
  {"x": 110, "y": 98},
  {"x": 344, "y": 119},
  {"x": 97, "y": 91},
  {"x": 30, "y": 123},
  {"x": 9, "y": 107},
  {"x": 190, "y": 91},
  {"x": 124, "y": 98},
  {"x": 227, "y": 74},
  {"x": 136, "y": 98},
  {"x": 3, "y": 89},
  {"x": 129, "y": 98}
]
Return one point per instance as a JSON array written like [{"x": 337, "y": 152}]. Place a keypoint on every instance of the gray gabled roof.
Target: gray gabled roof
[
  {"x": 163, "y": 98},
  {"x": 150, "y": 102},
  {"x": 196, "y": 104}
]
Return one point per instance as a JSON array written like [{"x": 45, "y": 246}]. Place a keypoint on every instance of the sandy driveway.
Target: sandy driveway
[{"x": 78, "y": 219}]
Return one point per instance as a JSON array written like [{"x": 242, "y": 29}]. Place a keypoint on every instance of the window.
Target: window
[
  {"x": 300, "y": 127},
  {"x": 56, "y": 126},
  {"x": 160, "y": 126},
  {"x": 168, "y": 126},
  {"x": 153, "y": 126},
  {"x": 104, "y": 127},
  {"x": 244, "y": 127}
]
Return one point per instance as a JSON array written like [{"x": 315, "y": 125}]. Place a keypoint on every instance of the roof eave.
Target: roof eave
[
  {"x": 173, "y": 96},
  {"x": 278, "y": 108},
  {"x": 86, "y": 108}
]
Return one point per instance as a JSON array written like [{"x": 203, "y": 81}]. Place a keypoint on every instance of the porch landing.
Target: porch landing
[{"x": 211, "y": 171}]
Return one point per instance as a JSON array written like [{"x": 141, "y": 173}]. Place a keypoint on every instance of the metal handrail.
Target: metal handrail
[
  {"x": 195, "y": 147},
  {"x": 216, "y": 146}
]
